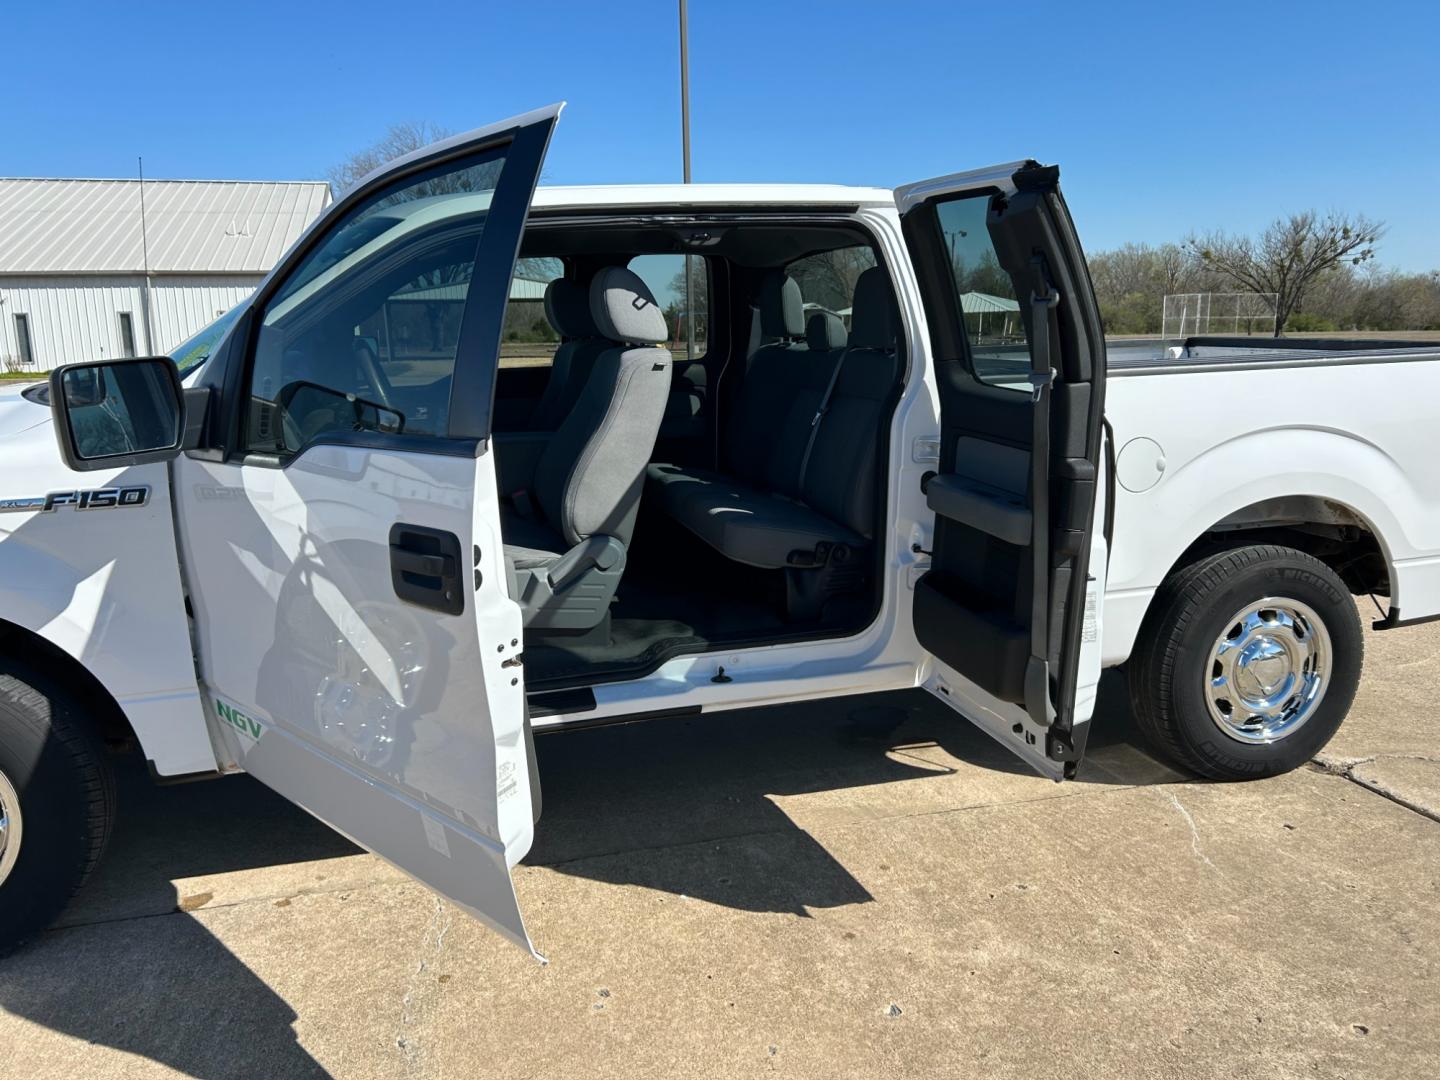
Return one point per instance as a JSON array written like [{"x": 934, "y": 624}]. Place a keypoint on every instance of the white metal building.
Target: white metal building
[{"x": 83, "y": 275}]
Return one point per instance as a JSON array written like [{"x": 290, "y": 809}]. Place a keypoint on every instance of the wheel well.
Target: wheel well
[
  {"x": 1323, "y": 528},
  {"x": 98, "y": 705}
]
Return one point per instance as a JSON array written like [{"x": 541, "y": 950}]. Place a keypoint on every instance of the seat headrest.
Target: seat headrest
[
  {"x": 874, "y": 319},
  {"x": 824, "y": 331},
  {"x": 624, "y": 309},
  {"x": 782, "y": 309},
  {"x": 567, "y": 306}
]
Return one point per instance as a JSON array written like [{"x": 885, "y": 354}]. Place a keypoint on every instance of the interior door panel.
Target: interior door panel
[{"x": 1014, "y": 496}]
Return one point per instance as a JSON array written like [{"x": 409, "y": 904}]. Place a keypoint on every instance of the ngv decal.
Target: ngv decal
[
  {"x": 98, "y": 498},
  {"x": 248, "y": 726}
]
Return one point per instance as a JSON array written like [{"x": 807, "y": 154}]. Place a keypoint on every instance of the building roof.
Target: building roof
[
  {"x": 972, "y": 303},
  {"x": 191, "y": 226}
]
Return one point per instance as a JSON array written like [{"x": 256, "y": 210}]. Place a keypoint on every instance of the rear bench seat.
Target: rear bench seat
[{"x": 802, "y": 444}]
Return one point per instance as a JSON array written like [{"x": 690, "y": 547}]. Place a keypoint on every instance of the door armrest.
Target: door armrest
[{"x": 1000, "y": 513}]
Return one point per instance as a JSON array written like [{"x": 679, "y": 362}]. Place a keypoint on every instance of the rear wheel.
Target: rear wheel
[
  {"x": 1247, "y": 663},
  {"x": 57, "y": 802}
]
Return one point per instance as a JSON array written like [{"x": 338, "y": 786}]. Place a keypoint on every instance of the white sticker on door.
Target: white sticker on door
[
  {"x": 506, "y": 783},
  {"x": 1090, "y": 628},
  {"x": 435, "y": 835}
]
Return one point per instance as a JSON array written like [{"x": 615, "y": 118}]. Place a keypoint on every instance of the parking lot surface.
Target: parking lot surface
[{"x": 858, "y": 887}]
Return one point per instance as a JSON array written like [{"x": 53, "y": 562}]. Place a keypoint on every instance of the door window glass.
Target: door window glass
[
  {"x": 363, "y": 335},
  {"x": 986, "y": 295},
  {"x": 686, "y": 303}
]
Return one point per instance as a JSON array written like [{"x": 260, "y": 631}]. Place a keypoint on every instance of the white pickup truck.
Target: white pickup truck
[{"x": 340, "y": 543}]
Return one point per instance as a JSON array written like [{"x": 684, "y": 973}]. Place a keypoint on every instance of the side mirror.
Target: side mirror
[{"x": 117, "y": 412}]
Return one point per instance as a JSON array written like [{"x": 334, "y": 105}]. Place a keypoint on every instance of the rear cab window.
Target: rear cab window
[
  {"x": 686, "y": 304},
  {"x": 827, "y": 279},
  {"x": 528, "y": 340}
]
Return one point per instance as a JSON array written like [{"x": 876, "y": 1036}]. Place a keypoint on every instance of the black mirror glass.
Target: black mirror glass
[{"x": 122, "y": 408}]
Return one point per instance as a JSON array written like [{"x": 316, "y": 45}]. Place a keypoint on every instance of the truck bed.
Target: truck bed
[
  {"x": 1141, "y": 356},
  {"x": 1149, "y": 356}
]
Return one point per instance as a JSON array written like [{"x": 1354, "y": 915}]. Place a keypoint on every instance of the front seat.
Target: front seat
[
  {"x": 567, "y": 307},
  {"x": 566, "y": 532}
]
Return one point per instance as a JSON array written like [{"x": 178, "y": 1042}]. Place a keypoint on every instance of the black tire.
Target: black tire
[
  {"x": 1167, "y": 673},
  {"x": 67, "y": 800}
]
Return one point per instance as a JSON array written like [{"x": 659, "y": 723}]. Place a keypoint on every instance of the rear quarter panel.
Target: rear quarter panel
[{"x": 1362, "y": 434}]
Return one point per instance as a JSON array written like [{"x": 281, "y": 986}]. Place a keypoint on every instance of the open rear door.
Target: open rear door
[
  {"x": 1009, "y": 609},
  {"x": 340, "y": 530}
]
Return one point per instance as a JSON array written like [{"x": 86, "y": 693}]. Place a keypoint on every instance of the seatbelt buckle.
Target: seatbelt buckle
[{"x": 1039, "y": 382}]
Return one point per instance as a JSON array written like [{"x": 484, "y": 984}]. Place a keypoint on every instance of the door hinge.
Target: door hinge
[{"x": 1058, "y": 747}]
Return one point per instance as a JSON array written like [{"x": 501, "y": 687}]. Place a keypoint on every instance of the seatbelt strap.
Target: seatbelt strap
[
  {"x": 1042, "y": 380},
  {"x": 820, "y": 412}
]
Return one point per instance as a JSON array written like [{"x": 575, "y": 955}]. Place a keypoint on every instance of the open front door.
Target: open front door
[
  {"x": 1009, "y": 608},
  {"x": 341, "y": 535}
]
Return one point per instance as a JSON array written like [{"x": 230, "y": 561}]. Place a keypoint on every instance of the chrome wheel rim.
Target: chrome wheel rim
[
  {"x": 1269, "y": 670},
  {"x": 9, "y": 827}
]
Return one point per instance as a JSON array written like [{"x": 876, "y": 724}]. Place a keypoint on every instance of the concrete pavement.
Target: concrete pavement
[{"x": 851, "y": 888}]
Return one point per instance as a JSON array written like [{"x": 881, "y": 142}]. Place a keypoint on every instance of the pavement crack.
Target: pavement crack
[
  {"x": 1345, "y": 769},
  {"x": 417, "y": 989},
  {"x": 1195, "y": 845}
]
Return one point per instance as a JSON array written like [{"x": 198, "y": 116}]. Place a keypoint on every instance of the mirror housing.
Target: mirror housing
[{"x": 113, "y": 413}]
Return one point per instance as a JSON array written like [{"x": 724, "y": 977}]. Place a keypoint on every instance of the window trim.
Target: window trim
[
  {"x": 24, "y": 343},
  {"x": 125, "y": 325}
]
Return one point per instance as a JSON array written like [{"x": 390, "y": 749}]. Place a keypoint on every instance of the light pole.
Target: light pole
[{"x": 685, "y": 152}]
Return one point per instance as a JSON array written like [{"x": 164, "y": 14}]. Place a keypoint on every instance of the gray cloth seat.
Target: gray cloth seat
[
  {"x": 529, "y": 542},
  {"x": 804, "y": 491},
  {"x": 759, "y": 407},
  {"x": 567, "y": 307},
  {"x": 753, "y": 526},
  {"x": 567, "y": 529}
]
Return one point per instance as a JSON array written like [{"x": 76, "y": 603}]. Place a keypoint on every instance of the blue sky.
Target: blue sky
[{"x": 1163, "y": 117}]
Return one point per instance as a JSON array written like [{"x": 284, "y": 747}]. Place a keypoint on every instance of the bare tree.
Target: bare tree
[
  {"x": 828, "y": 278},
  {"x": 1289, "y": 256},
  {"x": 400, "y": 140}
]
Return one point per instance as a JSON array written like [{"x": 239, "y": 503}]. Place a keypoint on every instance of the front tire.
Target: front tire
[
  {"x": 57, "y": 796},
  {"x": 1247, "y": 662}
]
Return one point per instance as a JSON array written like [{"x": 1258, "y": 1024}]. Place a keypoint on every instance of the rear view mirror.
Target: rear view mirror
[{"x": 117, "y": 412}]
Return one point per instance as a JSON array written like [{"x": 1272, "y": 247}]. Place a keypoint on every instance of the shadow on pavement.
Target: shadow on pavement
[
  {"x": 162, "y": 988},
  {"x": 123, "y": 952},
  {"x": 647, "y": 804},
  {"x": 684, "y": 806}
]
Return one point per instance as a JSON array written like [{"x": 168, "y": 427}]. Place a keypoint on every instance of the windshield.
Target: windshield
[{"x": 191, "y": 354}]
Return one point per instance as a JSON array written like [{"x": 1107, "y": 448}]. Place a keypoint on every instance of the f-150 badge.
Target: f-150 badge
[{"x": 94, "y": 499}]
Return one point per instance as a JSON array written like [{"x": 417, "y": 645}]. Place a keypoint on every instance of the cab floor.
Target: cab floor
[{"x": 677, "y": 596}]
